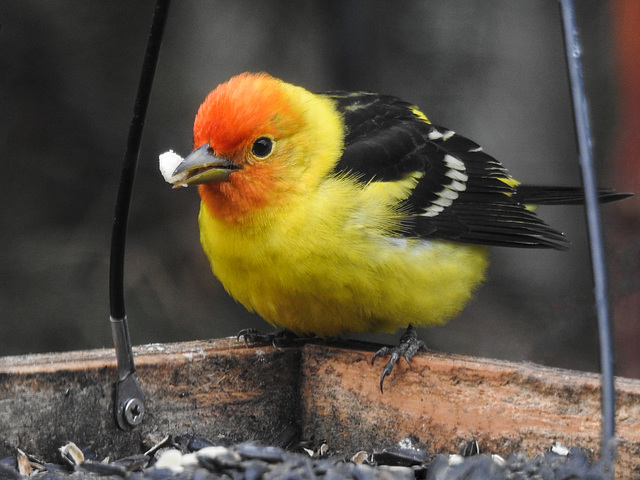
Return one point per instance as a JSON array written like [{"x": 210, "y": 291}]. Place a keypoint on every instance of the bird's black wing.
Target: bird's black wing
[{"x": 462, "y": 193}]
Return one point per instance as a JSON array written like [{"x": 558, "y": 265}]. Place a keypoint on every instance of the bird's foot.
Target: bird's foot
[
  {"x": 409, "y": 345},
  {"x": 277, "y": 339}
]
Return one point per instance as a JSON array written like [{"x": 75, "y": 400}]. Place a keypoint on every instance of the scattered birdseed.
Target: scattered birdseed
[{"x": 194, "y": 458}]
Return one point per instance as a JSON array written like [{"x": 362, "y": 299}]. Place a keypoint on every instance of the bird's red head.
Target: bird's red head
[
  {"x": 258, "y": 143},
  {"x": 241, "y": 133},
  {"x": 240, "y": 111}
]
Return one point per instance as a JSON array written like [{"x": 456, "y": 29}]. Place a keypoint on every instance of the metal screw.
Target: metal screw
[{"x": 134, "y": 411}]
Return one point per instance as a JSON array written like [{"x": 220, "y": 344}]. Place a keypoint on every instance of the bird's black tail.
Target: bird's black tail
[{"x": 550, "y": 195}]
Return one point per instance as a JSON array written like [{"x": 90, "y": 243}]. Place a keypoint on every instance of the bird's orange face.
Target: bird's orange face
[{"x": 240, "y": 145}]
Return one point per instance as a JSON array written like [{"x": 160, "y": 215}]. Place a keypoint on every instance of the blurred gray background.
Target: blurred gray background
[{"x": 492, "y": 70}]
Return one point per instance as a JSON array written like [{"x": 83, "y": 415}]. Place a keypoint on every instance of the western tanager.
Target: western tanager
[{"x": 350, "y": 212}]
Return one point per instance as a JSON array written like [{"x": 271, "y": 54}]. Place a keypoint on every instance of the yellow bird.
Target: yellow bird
[{"x": 350, "y": 212}]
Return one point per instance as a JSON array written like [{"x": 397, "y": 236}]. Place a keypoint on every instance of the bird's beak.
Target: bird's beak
[{"x": 202, "y": 166}]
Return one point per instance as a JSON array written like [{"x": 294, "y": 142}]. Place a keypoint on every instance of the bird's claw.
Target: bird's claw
[
  {"x": 388, "y": 368},
  {"x": 251, "y": 335},
  {"x": 409, "y": 345}
]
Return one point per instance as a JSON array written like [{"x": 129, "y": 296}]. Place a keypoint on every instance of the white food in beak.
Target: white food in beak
[{"x": 169, "y": 161}]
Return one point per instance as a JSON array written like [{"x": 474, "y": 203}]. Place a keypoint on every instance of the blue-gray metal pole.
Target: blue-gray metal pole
[{"x": 585, "y": 148}]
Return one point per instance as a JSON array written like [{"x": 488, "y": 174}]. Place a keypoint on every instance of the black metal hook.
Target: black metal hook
[{"x": 130, "y": 404}]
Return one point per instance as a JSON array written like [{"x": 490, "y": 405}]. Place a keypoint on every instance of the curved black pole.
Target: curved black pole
[
  {"x": 583, "y": 130},
  {"x": 129, "y": 403}
]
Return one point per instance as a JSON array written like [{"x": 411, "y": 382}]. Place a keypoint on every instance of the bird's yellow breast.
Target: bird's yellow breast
[{"x": 327, "y": 263}]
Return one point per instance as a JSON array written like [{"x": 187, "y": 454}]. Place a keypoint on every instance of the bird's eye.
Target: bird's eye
[{"x": 262, "y": 147}]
